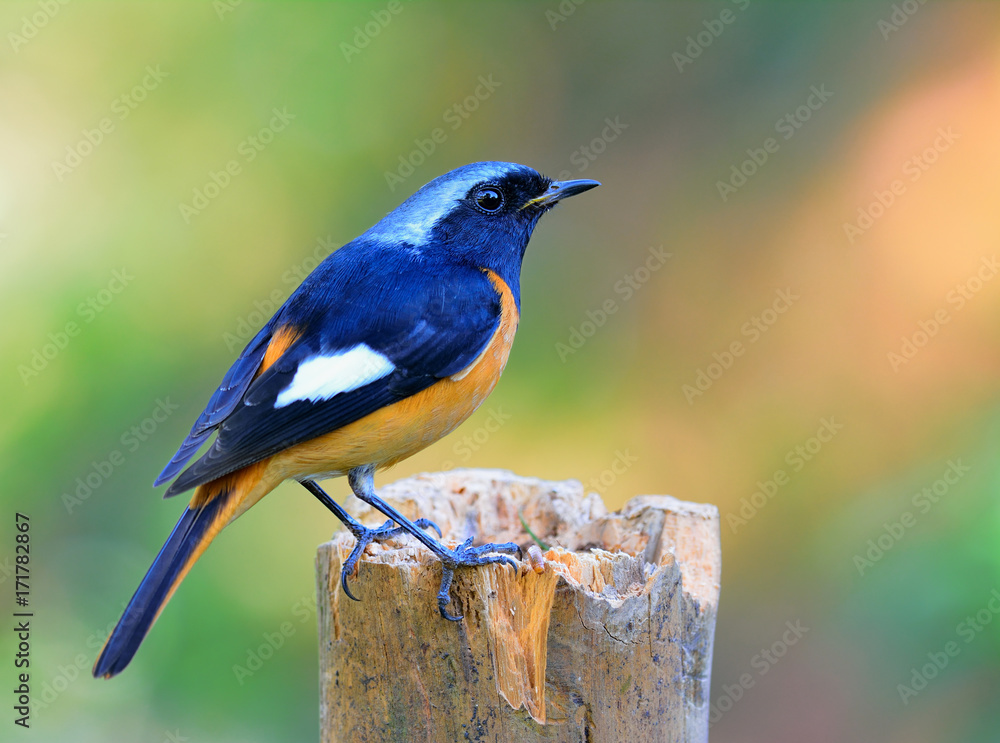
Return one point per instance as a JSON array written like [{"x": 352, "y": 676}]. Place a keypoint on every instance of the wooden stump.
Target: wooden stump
[{"x": 608, "y": 639}]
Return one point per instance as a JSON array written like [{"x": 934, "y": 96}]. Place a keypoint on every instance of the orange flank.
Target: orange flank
[{"x": 281, "y": 341}]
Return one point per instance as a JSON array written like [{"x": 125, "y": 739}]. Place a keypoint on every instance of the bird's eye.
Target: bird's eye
[{"x": 489, "y": 199}]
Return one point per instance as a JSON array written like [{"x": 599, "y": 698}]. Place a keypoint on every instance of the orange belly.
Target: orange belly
[{"x": 400, "y": 430}]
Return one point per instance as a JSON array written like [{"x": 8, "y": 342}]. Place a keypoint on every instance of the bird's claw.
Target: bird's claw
[
  {"x": 465, "y": 555},
  {"x": 364, "y": 536}
]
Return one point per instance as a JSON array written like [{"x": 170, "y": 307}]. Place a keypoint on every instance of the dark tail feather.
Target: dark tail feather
[
  {"x": 187, "y": 450},
  {"x": 185, "y": 544}
]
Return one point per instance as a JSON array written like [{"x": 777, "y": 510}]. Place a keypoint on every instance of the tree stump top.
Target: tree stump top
[{"x": 608, "y": 635}]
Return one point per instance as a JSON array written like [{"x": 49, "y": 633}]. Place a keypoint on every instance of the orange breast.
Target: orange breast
[{"x": 400, "y": 430}]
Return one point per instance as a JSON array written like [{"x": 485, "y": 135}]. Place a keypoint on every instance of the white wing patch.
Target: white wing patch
[{"x": 322, "y": 377}]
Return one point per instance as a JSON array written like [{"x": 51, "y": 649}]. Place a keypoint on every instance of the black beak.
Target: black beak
[{"x": 559, "y": 190}]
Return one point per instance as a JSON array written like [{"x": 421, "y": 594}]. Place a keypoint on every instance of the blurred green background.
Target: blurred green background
[{"x": 872, "y": 215}]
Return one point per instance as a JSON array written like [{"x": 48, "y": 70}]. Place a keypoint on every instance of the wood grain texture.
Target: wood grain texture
[{"x": 610, "y": 640}]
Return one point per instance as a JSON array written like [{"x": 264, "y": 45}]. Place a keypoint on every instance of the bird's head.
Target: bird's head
[{"x": 481, "y": 214}]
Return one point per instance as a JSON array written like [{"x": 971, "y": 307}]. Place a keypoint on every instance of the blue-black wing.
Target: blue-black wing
[{"x": 429, "y": 319}]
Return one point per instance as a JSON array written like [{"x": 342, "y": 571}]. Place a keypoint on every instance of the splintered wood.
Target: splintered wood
[{"x": 605, "y": 634}]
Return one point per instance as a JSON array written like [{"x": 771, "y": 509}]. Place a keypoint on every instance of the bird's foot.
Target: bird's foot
[
  {"x": 364, "y": 536},
  {"x": 467, "y": 556},
  {"x": 361, "y": 480}
]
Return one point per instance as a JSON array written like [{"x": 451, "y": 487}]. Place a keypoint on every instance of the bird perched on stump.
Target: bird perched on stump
[{"x": 388, "y": 345}]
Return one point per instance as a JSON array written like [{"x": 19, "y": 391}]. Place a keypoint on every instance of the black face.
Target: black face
[
  {"x": 508, "y": 196},
  {"x": 490, "y": 225}
]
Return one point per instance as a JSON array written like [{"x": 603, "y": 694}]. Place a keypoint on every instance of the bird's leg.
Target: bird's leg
[
  {"x": 362, "y": 480},
  {"x": 363, "y": 535}
]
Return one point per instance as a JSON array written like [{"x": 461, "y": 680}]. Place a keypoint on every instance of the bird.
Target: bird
[{"x": 388, "y": 345}]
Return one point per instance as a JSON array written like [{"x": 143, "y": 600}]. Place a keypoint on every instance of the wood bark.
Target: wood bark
[{"x": 609, "y": 638}]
